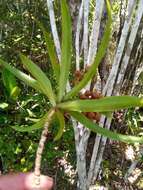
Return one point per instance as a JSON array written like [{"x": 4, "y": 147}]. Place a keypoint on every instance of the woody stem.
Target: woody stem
[{"x": 41, "y": 147}]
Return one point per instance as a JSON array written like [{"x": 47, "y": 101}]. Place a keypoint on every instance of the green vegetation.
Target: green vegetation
[
  {"x": 25, "y": 106},
  {"x": 43, "y": 83}
]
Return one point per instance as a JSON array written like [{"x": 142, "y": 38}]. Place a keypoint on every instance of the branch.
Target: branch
[{"x": 40, "y": 148}]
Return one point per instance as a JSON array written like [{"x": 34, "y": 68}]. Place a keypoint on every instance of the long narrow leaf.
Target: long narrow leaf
[
  {"x": 100, "y": 54},
  {"x": 106, "y": 104},
  {"x": 105, "y": 132},
  {"x": 39, "y": 75},
  {"x": 66, "y": 49},
  {"x": 10, "y": 84},
  {"x": 38, "y": 125},
  {"x": 61, "y": 126},
  {"x": 20, "y": 75},
  {"x": 51, "y": 51}
]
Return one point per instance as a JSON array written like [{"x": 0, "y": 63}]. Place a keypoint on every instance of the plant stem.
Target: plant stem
[{"x": 40, "y": 149}]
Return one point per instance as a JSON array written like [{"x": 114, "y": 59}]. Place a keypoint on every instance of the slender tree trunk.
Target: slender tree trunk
[{"x": 54, "y": 28}]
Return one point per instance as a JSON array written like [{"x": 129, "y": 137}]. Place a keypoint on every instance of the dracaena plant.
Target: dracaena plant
[{"x": 69, "y": 102}]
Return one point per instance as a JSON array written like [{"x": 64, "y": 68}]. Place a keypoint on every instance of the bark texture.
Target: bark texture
[{"x": 40, "y": 149}]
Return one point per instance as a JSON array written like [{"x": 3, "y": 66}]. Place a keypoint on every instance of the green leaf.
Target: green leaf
[
  {"x": 62, "y": 125},
  {"x": 20, "y": 75},
  {"x": 106, "y": 104},
  {"x": 39, "y": 75},
  {"x": 100, "y": 54},
  {"x": 3, "y": 105},
  {"x": 10, "y": 84},
  {"x": 51, "y": 51},
  {"x": 66, "y": 49},
  {"x": 38, "y": 125},
  {"x": 15, "y": 92},
  {"x": 105, "y": 132}
]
